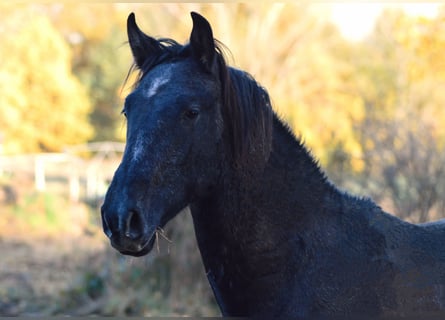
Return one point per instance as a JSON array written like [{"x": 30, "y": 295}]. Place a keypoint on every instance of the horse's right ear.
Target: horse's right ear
[
  {"x": 202, "y": 42},
  {"x": 142, "y": 46}
]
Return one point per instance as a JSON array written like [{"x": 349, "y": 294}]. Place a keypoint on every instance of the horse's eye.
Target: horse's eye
[{"x": 192, "y": 113}]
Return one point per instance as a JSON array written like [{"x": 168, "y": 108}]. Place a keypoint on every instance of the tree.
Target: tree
[
  {"x": 102, "y": 68},
  {"x": 399, "y": 74},
  {"x": 42, "y": 105},
  {"x": 97, "y": 38}
]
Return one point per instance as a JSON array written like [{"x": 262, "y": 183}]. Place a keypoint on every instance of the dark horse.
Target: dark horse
[{"x": 277, "y": 239}]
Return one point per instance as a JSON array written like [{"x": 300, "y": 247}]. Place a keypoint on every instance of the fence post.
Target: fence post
[
  {"x": 74, "y": 186},
  {"x": 39, "y": 173}
]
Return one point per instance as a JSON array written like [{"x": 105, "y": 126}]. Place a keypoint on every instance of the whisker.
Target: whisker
[
  {"x": 157, "y": 240},
  {"x": 160, "y": 232}
]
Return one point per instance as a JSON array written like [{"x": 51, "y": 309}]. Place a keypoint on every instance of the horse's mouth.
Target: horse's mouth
[
  {"x": 141, "y": 251},
  {"x": 135, "y": 249}
]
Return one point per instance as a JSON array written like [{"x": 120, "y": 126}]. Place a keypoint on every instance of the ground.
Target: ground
[
  {"x": 35, "y": 271},
  {"x": 55, "y": 260}
]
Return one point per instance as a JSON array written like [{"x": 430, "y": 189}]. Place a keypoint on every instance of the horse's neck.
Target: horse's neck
[{"x": 248, "y": 232}]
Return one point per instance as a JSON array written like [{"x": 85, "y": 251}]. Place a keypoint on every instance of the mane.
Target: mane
[
  {"x": 246, "y": 111},
  {"x": 170, "y": 50},
  {"x": 249, "y": 117}
]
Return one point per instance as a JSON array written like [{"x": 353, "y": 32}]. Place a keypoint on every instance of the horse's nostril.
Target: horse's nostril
[
  {"x": 134, "y": 225},
  {"x": 105, "y": 225}
]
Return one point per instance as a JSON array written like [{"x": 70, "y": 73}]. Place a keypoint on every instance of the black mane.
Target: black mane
[{"x": 247, "y": 109}]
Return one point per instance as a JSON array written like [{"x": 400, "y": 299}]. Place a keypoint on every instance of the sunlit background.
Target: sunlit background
[{"x": 361, "y": 83}]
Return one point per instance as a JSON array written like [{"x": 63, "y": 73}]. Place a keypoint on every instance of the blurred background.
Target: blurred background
[{"x": 362, "y": 84}]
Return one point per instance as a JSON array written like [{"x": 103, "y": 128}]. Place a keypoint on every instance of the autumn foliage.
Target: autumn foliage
[
  {"x": 372, "y": 112},
  {"x": 355, "y": 104}
]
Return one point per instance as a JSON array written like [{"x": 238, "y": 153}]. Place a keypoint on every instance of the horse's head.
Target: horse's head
[
  {"x": 174, "y": 133},
  {"x": 189, "y": 117}
]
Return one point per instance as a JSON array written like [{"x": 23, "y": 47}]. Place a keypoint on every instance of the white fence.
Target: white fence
[{"x": 81, "y": 171}]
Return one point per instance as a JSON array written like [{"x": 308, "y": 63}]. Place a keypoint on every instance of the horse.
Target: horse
[{"x": 277, "y": 238}]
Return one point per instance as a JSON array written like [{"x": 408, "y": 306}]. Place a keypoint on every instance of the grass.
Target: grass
[
  {"x": 39, "y": 210},
  {"x": 39, "y": 213},
  {"x": 45, "y": 214},
  {"x": 170, "y": 281}
]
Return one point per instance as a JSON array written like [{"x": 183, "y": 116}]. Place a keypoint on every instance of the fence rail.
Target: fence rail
[{"x": 81, "y": 176}]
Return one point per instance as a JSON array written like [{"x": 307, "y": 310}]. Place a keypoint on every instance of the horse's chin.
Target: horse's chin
[{"x": 144, "y": 250}]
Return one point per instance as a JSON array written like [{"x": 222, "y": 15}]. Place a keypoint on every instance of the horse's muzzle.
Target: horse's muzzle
[{"x": 128, "y": 232}]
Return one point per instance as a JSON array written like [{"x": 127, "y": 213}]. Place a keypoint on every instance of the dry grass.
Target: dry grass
[{"x": 56, "y": 261}]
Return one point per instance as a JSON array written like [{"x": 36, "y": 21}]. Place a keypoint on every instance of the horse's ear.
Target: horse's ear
[
  {"x": 202, "y": 42},
  {"x": 142, "y": 46}
]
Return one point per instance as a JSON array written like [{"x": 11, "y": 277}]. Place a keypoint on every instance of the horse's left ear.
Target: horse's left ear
[
  {"x": 142, "y": 46},
  {"x": 202, "y": 42}
]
